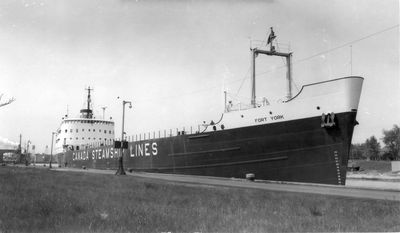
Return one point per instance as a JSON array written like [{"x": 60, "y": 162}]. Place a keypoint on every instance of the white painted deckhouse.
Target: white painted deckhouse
[{"x": 84, "y": 131}]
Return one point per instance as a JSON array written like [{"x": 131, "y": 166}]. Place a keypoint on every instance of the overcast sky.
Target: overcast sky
[{"x": 174, "y": 59}]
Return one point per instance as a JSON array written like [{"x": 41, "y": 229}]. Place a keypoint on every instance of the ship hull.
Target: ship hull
[{"x": 295, "y": 150}]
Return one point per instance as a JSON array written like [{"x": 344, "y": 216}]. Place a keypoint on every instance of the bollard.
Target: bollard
[{"x": 250, "y": 176}]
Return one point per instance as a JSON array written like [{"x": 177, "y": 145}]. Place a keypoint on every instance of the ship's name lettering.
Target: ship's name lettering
[
  {"x": 265, "y": 119},
  {"x": 277, "y": 117},
  {"x": 262, "y": 119},
  {"x": 103, "y": 153},
  {"x": 143, "y": 149},
  {"x": 80, "y": 155}
]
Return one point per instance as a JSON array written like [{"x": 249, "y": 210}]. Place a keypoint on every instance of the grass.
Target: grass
[{"x": 40, "y": 200}]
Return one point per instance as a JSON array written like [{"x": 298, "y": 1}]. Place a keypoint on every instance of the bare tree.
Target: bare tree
[{"x": 9, "y": 101}]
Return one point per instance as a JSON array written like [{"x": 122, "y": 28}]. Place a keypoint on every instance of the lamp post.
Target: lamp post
[
  {"x": 121, "y": 170},
  {"x": 51, "y": 150}
]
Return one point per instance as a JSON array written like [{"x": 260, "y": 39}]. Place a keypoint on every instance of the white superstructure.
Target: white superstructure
[{"x": 84, "y": 131}]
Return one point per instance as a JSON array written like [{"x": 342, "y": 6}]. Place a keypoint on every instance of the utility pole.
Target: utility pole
[
  {"x": 20, "y": 145},
  {"x": 27, "y": 152},
  {"x": 51, "y": 150}
]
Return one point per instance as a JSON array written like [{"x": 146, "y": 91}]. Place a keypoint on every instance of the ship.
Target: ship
[
  {"x": 85, "y": 130},
  {"x": 305, "y": 138}
]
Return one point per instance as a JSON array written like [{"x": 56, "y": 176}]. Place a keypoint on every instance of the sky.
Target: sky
[{"x": 175, "y": 59}]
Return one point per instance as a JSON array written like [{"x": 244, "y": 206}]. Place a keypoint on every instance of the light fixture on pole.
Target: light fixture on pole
[{"x": 123, "y": 144}]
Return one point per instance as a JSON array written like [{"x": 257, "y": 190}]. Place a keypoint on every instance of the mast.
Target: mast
[
  {"x": 104, "y": 110},
  {"x": 289, "y": 76},
  {"x": 225, "y": 107},
  {"x": 87, "y": 113},
  {"x": 255, "y": 52},
  {"x": 253, "y": 76},
  {"x": 89, "y": 100}
]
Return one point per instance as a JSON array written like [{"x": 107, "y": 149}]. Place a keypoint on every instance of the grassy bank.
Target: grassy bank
[
  {"x": 39, "y": 200},
  {"x": 373, "y": 166}
]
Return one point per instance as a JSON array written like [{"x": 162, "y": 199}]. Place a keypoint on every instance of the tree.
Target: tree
[
  {"x": 6, "y": 102},
  {"x": 372, "y": 148},
  {"x": 357, "y": 151},
  {"x": 391, "y": 138}
]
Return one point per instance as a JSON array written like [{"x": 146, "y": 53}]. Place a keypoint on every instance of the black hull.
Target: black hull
[{"x": 298, "y": 150}]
